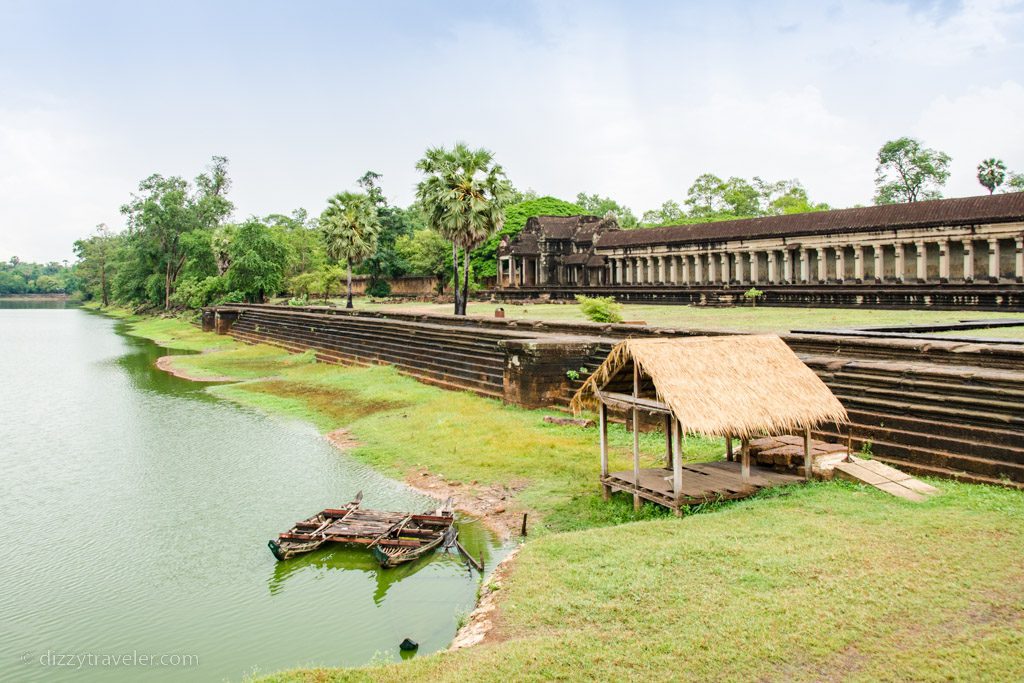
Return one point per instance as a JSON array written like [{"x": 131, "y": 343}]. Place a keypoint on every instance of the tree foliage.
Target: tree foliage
[
  {"x": 596, "y": 205},
  {"x": 485, "y": 257},
  {"x": 258, "y": 262},
  {"x": 991, "y": 174},
  {"x": 908, "y": 171},
  {"x": 350, "y": 227},
  {"x": 464, "y": 194}
]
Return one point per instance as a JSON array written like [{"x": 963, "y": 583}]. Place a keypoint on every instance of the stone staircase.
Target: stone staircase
[{"x": 438, "y": 354}]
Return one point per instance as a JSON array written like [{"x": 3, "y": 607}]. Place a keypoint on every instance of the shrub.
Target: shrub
[
  {"x": 379, "y": 289},
  {"x": 600, "y": 309},
  {"x": 752, "y": 295}
]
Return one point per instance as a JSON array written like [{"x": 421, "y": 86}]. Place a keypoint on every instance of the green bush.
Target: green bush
[
  {"x": 379, "y": 289},
  {"x": 600, "y": 309}
]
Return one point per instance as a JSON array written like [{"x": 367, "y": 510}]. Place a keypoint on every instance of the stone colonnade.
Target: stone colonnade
[{"x": 961, "y": 259}]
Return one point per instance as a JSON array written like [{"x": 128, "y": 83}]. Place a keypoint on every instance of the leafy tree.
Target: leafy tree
[
  {"x": 96, "y": 257},
  {"x": 12, "y": 283},
  {"x": 786, "y": 197},
  {"x": 706, "y": 196},
  {"x": 349, "y": 227},
  {"x": 595, "y": 205},
  {"x": 385, "y": 261},
  {"x": 669, "y": 213},
  {"x": 908, "y": 171},
  {"x": 464, "y": 193},
  {"x": 299, "y": 234},
  {"x": 991, "y": 174},
  {"x": 426, "y": 252},
  {"x": 1016, "y": 182},
  {"x": 258, "y": 261},
  {"x": 164, "y": 210}
]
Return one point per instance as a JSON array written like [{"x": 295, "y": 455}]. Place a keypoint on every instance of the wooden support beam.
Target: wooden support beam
[
  {"x": 603, "y": 428},
  {"x": 636, "y": 437},
  {"x": 677, "y": 462},
  {"x": 807, "y": 453},
  {"x": 628, "y": 402},
  {"x": 728, "y": 448},
  {"x": 668, "y": 441},
  {"x": 745, "y": 460}
]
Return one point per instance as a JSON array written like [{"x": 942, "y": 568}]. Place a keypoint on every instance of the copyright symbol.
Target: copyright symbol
[{"x": 26, "y": 657}]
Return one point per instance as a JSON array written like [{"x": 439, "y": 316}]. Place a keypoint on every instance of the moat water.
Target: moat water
[{"x": 136, "y": 509}]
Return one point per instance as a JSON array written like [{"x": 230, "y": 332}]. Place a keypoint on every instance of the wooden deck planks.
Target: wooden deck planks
[{"x": 701, "y": 482}]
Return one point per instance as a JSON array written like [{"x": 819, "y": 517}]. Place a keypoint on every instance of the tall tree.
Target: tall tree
[
  {"x": 164, "y": 210},
  {"x": 95, "y": 255},
  {"x": 464, "y": 194},
  {"x": 991, "y": 174},
  {"x": 1016, "y": 182},
  {"x": 908, "y": 171},
  {"x": 385, "y": 261},
  {"x": 349, "y": 226},
  {"x": 258, "y": 260}
]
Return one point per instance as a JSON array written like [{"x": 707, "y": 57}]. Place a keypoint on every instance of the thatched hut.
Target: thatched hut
[{"x": 741, "y": 386}]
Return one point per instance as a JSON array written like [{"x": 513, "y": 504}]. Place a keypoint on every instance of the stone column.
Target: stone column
[
  {"x": 993, "y": 260},
  {"x": 879, "y": 262},
  {"x": 1019, "y": 265},
  {"x": 698, "y": 269},
  {"x": 922, "y": 261},
  {"x": 805, "y": 266},
  {"x": 754, "y": 275},
  {"x": 968, "y": 260},
  {"x": 652, "y": 270},
  {"x": 822, "y": 265},
  {"x": 712, "y": 268},
  {"x": 673, "y": 269},
  {"x": 901, "y": 263},
  {"x": 684, "y": 269},
  {"x": 840, "y": 264},
  {"x": 726, "y": 271},
  {"x": 944, "y": 260},
  {"x": 787, "y": 266},
  {"x": 858, "y": 264},
  {"x": 773, "y": 268},
  {"x": 741, "y": 277}
]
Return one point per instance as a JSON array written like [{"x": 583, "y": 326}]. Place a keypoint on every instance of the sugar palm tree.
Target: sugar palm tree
[
  {"x": 991, "y": 174},
  {"x": 349, "y": 227},
  {"x": 464, "y": 194}
]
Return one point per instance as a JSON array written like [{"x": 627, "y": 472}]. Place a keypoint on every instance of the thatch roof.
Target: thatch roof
[{"x": 743, "y": 385}]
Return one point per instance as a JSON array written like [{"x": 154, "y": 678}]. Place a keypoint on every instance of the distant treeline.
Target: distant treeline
[{"x": 18, "y": 277}]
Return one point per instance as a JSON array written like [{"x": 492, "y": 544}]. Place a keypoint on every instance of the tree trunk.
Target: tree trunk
[
  {"x": 103, "y": 284},
  {"x": 349, "y": 304},
  {"x": 465, "y": 281},
  {"x": 455, "y": 274},
  {"x": 167, "y": 287}
]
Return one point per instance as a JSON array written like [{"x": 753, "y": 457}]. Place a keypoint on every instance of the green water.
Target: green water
[{"x": 136, "y": 510}]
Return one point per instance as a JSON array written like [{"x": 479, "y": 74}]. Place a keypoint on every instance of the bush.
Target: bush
[
  {"x": 379, "y": 289},
  {"x": 752, "y": 295},
  {"x": 600, "y": 309}
]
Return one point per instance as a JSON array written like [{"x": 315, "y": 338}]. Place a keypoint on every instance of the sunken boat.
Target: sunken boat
[{"x": 393, "y": 537}]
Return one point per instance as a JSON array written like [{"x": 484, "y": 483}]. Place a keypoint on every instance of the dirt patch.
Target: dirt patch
[
  {"x": 339, "y": 405},
  {"x": 492, "y": 504},
  {"x": 166, "y": 363},
  {"x": 342, "y": 439},
  {"x": 483, "y": 624}
]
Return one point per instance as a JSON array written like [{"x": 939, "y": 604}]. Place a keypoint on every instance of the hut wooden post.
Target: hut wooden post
[
  {"x": 677, "y": 465},
  {"x": 636, "y": 437},
  {"x": 745, "y": 460},
  {"x": 668, "y": 440},
  {"x": 728, "y": 448},
  {"x": 807, "y": 453},
  {"x": 602, "y": 414}
]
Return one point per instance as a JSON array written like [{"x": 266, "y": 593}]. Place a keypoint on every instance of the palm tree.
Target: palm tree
[
  {"x": 349, "y": 227},
  {"x": 464, "y": 194},
  {"x": 991, "y": 173}
]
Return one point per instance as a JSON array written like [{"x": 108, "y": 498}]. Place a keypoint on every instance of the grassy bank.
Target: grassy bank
[{"x": 821, "y": 582}]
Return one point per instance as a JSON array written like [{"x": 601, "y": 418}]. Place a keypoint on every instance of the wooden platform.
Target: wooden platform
[{"x": 702, "y": 483}]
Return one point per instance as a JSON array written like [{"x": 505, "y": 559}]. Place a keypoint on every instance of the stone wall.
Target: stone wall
[{"x": 934, "y": 406}]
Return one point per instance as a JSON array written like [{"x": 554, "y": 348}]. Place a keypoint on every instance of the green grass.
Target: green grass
[
  {"x": 1016, "y": 333},
  {"x": 821, "y": 582},
  {"x": 739, "y": 318}
]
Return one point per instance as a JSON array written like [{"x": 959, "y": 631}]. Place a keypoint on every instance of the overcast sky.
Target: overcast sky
[{"x": 631, "y": 100}]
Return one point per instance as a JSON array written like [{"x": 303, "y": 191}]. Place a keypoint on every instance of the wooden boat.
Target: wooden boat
[
  {"x": 415, "y": 537},
  {"x": 394, "y": 537}
]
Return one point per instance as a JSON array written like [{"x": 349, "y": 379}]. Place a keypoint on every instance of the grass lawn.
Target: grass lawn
[
  {"x": 990, "y": 333},
  {"x": 821, "y": 582},
  {"x": 741, "y": 318}
]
